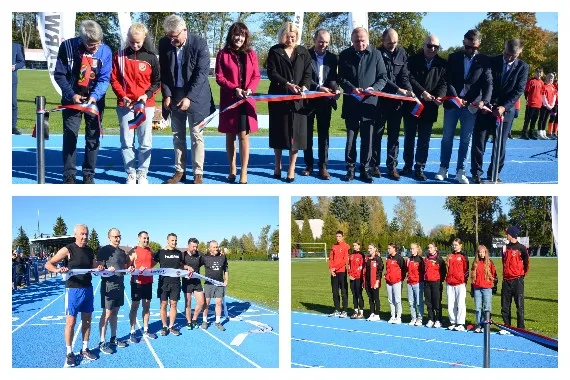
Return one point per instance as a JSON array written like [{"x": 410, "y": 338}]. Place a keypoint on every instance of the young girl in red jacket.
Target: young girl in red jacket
[
  {"x": 416, "y": 269},
  {"x": 457, "y": 273},
  {"x": 372, "y": 275},
  {"x": 435, "y": 272},
  {"x": 355, "y": 275},
  {"x": 483, "y": 275},
  {"x": 395, "y": 273}
]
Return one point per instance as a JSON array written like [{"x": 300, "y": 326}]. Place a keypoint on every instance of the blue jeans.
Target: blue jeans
[
  {"x": 482, "y": 295},
  {"x": 416, "y": 299},
  {"x": 450, "y": 118},
  {"x": 144, "y": 134}
]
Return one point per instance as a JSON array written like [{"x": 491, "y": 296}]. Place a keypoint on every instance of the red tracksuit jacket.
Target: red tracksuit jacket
[
  {"x": 457, "y": 269},
  {"x": 416, "y": 270},
  {"x": 480, "y": 281},
  {"x": 356, "y": 265},
  {"x": 395, "y": 269},
  {"x": 338, "y": 257}
]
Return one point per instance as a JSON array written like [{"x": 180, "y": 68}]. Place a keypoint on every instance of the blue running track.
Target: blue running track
[
  {"x": 320, "y": 341},
  {"x": 38, "y": 320},
  {"x": 520, "y": 167}
]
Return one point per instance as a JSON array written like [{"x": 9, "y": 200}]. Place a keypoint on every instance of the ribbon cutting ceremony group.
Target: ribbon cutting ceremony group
[{"x": 381, "y": 86}]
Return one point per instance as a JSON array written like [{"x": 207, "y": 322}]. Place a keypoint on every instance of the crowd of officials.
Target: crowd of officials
[
  {"x": 79, "y": 290},
  {"x": 473, "y": 88},
  {"x": 425, "y": 276}
]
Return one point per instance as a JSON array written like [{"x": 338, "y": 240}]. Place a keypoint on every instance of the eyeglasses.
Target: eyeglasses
[
  {"x": 92, "y": 44},
  {"x": 431, "y": 46},
  {"x": 116, "y": 236},
  {"x": 468, "y": 47},
  {"x": 172, "y": 38}
]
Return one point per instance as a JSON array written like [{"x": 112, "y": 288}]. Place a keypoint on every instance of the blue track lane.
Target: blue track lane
[
  {"x": 520, "y": 167},
  {"x": 320, "y": 341},
  {"x": 38, "y": 321}
]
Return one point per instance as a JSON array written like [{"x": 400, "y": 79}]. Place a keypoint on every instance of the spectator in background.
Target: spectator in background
[
  {"x": 237, "y": 73},
  {"x": 457, "y": 274},
  {"x": 533, "y": 96},
  {"x": 136, "y": 78},
  {"x": 338, "y": 259},
  {"x": 83, "y": 72},
  {"x": 18, "y": 61},
  {"x": 395, "y": 273},
  {"x": 553, "y": 121},
  {"x": 549, "y": 95},
  {"x": 355, "y": 269},
  {"x": 483, "y": 275}
]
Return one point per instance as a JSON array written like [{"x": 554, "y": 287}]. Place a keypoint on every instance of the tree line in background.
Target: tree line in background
[
  {"x": 476, "y": 220},
  {"x": 242, "y": 248},
  {"x": 541, "y": 46}
]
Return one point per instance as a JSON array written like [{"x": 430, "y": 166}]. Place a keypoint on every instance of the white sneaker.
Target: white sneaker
[
  {"x": 460, "y": 177},
  {"x": 370, "y": 318},
  {"x": 412, "y": 322},
  {"x": 441, "y": 174},
  {"x": 398, "y": 321},
  {"x": 460, "y": 328},
  {"x": 141, "y": 178},
  {"x": 437, "y": 324},
  {"x": 131, "y": 179},
  {"x": 504, "y": 332},
  {"x": 376, "y": 318},
  {"x": 429, "y": 324},
  {"x": 392, "y": 320},
  {"x": 418, "y": 322},
  {"x": 451, "y": 327}
]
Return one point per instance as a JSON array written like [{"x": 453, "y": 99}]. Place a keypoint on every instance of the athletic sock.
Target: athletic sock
[
  {"x": 85, "y": 343},
  {"x": 217, "y": 319},
  {"x": 102, "y": 340},
  {"x": 68, "y": 349},
  {"x": 133, "y": 330}
]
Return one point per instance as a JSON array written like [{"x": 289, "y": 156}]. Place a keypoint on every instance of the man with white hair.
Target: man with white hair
[
  {"x": 184, "y": 66},
  {"x": 78, "y": 290},
  {"x": 216, "y": 265},
  {"x": 83, "y": 72}
]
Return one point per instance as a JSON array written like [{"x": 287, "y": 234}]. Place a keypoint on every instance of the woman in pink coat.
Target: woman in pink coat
[{"x": 237, "y": 73}]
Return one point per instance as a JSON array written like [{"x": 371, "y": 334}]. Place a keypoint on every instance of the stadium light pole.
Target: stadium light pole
[
  {"x": 40, "y": 143},
  {"x": 487, "y": 341}
]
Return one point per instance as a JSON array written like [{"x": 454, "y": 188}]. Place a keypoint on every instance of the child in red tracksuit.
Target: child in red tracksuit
[
  {"x": 457, "y": 273},
  {"x": 338, "y": 259},
  {"x": 395, "y": 273},
  {"x": 416, "y": 267},
  {"x": 355, "y": 269},
  {"x": 483, "y": 275},
  {"x": 372, "y": 275},
  {"x": 435, "y": 272}
]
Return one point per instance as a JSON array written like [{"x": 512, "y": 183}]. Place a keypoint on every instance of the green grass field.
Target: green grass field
[
  {"x": 32, "y": 83},
  {"x": 256, "y": 281},
  {"x": 311, "y": 292}
]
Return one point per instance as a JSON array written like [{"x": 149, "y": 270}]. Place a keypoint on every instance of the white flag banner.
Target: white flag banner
[
  {"x": 356, "y": 19},
  {"x": 54, "y": 28},
  {"x": 554, "y": 215},
  {"x": 298, "y": 21},
  {"x": 124, "y": 24}
]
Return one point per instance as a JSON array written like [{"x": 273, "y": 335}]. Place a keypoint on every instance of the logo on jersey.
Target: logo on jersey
[{"x": 142, "y": 66}]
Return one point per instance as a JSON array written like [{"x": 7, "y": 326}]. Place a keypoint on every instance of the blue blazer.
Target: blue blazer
[
  {"x": 475, "y": 83},
  {"x": 506, "y": 92},
  {"x": 17, "y": 60}
]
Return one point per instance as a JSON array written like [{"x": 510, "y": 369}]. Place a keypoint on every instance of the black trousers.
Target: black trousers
[
  {"x": 392, "y": 117},
  {"x": 433, "y": 291},
  {"x": 338, "y": 282},
  {"x": 373, "y": 299},
  {"x": 356, "y": 289},
  {"x": 322, "y": 113},
  {"x": 365, "y": 128},
  {"x": 413, "y": 125},
  {"x": 14, "y": 104},
  {"x": 71, "y": 125},
  {"x": 530, "y": 118},
  {"x": 543, "y": 118},
  {"x": 513, "y": 289},
  {"x": 485, "y": 126}
]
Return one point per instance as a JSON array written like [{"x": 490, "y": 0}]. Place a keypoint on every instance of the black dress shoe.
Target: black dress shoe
[
  {"x": 277, "y": 175},
  {"x": 376, "y": 172},
  {"x": 349, "y": 176},
  {"x": 524, "y": 136},
  {"x": 365, "y": 177},
  {"x": 475, "y": 178},
  {"x": 289, "y": 180},
  {"x": 420, "y": 176},
  {"x": 69, "y": 179},
  {"x": 231, "y": 178},
  {"x": 16, "y": 131},
  {"x": 393, "y": 174},
  {"x": 406, "y": 170},
  {"x": 88, "y": 179}
]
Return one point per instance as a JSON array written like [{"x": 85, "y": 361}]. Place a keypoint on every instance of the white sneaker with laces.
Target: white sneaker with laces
[
  {"x": 460, "y": 177},
  {"x": 451, "y": 327},
  {"x": 441, "y": 174},
  {"x": 141, "y": 178},
  {"x": 419, "y": 322},
  {"x": 370, "y": 318},
  {"x": 131, "y": 179},
  {"x": 376, "y": 318},
  {"x": 437, "y": 324},
  {"x": 460, "y": 328},
  {"x": 398, "y": 321},
  {"x": 392, "y": 320},
  {"x": 504, "y": 332},
  {"x": 429, "y": 324},
  {"x": 412, "y": 322}
]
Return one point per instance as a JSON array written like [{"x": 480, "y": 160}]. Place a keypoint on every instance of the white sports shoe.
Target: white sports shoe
[
  {"x": 141, "y": 178},
  {"x": 392, "y": 320},
  {"x": 460, "y": 177},
  {"x": 504, "y": 332},
  {"x": 398, "y": 321},
  {"x": 437, "y": 324},
  {"x": 412, "y": 322},
  {"x": 418, "y": 322},
  {"x": 451, "y": 327},
  {"x": 131, "y": 179},
  {"x": 460, "y": 328},
  {"x": 376, "y": 318},
  {"x": 371, "y": 317},
  {"x": 441, "y": 174},
  {"x": 429, "y": 324}
]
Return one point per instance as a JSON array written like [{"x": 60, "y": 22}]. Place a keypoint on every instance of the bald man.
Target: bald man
[
  {"x": 360, "y": 68},
  {"x": 427, "y": 76}
]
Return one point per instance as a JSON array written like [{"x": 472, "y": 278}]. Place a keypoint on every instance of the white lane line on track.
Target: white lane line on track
[
  {"x": 502, "y": 349},
  {"x": 307, "y": 366},
  {"x": 231, "y": 349},
  {"x": 42, "y": 309},
  {"x": 376, "y": 352}
]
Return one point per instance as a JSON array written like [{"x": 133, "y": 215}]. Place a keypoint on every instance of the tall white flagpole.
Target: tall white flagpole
[
  {"x": 298, "y": 21},
  {"x": 124, "y": 24}
]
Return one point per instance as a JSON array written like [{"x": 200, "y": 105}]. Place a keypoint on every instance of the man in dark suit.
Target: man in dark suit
[
  {"x": 465, "y": 79},
  {"x": 390, "y": 110},
  {"x": 18, "y": 62},
  {"x": 184, "y": 66},
  {"x": 324, "y": 77},
  {"x": 427, "y": 76},
  {"x": 360, "y": 68},
  {"x": 508, "y": 75}
]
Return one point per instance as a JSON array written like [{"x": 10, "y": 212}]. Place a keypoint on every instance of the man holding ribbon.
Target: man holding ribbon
[
  {"x": 78, "y": 290},
  {"x": 216, "y": 266},
  {"x": 135, "y": 80},
  {"x": 193, "y": 260},
  {"x": 82, "y": 71}
]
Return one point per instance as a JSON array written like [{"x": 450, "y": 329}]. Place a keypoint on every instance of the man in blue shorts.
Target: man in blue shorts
[
  {"x": 217, "y": 269},
  {"x": 78, "y": 289}
]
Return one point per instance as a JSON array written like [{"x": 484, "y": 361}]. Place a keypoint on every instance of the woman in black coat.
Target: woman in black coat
[{"x": 289, "y": 70}]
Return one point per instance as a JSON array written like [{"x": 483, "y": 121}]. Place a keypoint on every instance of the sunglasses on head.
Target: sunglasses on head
[{"x": 432, "y": 46}]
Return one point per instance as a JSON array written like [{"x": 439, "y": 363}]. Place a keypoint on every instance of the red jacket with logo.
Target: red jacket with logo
[
  {"x": 480, "y": 281},
  {"x": 416, "y": 270},
  {"x": 356, "y": 265},
  {"x": 135, "y": 74},
  {"x": 457, "y": 269},
  {"x": 435, "y": 269},
  {"x": 395, "y": 269},
  {"x": 533, "y": 92},
  {"x": 515, "y": 261},
  {"x": 338, "y": 257},
  {"x": 372, "y": 272}
]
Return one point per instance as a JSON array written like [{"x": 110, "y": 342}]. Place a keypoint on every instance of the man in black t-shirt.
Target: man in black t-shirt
[
  {"x": 169, "y": 287},
  {"x": 193, "y": 262},
  {"x": 78, "y": 289},
  {"x": 216, "y": 266}
]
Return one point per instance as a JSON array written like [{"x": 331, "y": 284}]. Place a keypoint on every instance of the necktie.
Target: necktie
[{"x": 505, "y": 72}]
